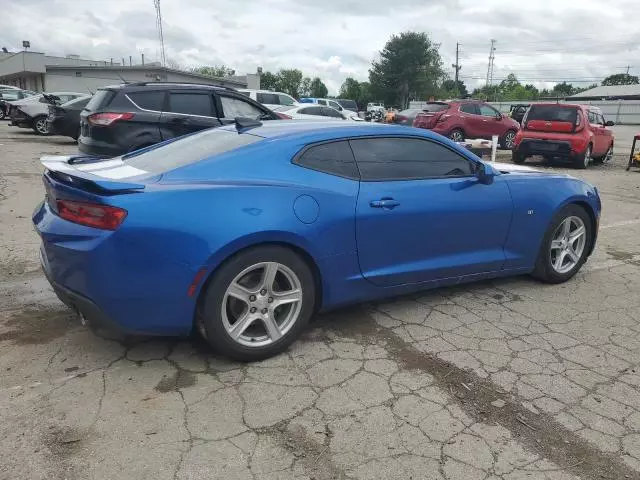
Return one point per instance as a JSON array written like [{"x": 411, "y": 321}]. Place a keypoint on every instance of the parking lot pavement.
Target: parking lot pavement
[{"x": 507, "y": 380}]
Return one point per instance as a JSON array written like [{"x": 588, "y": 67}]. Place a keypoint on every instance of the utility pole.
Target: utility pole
[
  {"x": 628, "y": 67},
  {"x": 490, "y": 66},
  {"x": 457, "y": 66}
]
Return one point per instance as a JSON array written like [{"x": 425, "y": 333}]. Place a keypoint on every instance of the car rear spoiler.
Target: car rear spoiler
[{"x": 106, "y": 175}]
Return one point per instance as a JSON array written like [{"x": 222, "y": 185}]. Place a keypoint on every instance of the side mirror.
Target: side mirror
[
  {"x": 609, "y": 124},
  {"x": 483, "y": 175}
]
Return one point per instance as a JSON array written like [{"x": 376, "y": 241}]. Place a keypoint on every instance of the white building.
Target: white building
[{"x": 39, "y": 72}]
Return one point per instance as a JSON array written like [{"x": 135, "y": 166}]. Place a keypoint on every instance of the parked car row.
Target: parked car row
[{"x": 32, "y": 111}]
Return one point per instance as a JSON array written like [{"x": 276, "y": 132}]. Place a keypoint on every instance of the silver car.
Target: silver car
[{"x": 32, "y": 112}]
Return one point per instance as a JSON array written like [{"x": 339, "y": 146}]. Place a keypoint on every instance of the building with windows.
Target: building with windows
[{"x": 39, "y": 72}]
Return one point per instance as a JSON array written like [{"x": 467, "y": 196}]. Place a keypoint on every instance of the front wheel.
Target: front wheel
[
  {"x": 40, "y": 125},
  {"x": 507, "y": 140},
  {"x": 565, "y": 246},
  {"x": 257, "y": 303}
]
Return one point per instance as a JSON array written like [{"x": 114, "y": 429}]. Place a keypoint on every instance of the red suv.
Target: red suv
[
  {"x": 462, "y": 119},
  {"x": 577, "y": 133}
]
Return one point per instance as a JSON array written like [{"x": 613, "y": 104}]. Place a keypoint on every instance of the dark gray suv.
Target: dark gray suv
[{"x": 123, "y": 118}]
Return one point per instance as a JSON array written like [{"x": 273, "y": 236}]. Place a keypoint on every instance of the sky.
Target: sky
[{"x": 542, "y": 42}]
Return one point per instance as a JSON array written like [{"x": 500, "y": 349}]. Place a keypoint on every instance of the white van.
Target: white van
[{"x": 270, "y": 99}]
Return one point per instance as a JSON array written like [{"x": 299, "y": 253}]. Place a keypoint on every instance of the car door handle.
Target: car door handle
[{"x": 387, "y": 203}]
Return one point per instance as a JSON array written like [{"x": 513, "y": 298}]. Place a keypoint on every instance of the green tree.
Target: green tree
[
  {"x": 318, "y": 89},
  {"x": 452, "y": 90},
  {"x": 305, "y": 87},
  {"x": 350, "y": 89},
  {"x": 290, "y": 81},
  {"x": 620, "y": 79},
  {"x": 409, "y": 67},
  {"x": 269, "y": 81},
  {"x": 214, "y": 71}
]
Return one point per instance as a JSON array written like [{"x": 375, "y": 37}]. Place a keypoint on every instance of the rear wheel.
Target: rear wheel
[
  {"x": 518, "y": 158},
  {"x": 2, "y": 113},
  {"x": 40, "y": 125},
  {"x": 457, "y": 135},
  {"x": 607, "y": 157},
  {"x": 583, "y": 161},
  {"x": 565, "y": 246},
  {"x": 257, "y": 303}
]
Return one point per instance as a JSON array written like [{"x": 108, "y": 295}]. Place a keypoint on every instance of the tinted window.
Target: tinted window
[
  {"x": 153, "y": 100},
  {"x": 348, "y": 104},
  {"x": 335, "y": 158},
  {"x": 191, "y": 104},
  {"x": 330, "y": 112},
  {"x": 487, "y": 111},
  {"x": 311, "y": 111},
  {"x": 270, "y": 98},
  {"x": 189, "y": 149},
  {"x": 552, "y": 113},
  {"x": 236, "y": 107},
  {"x": 76, "y": 103},
  {"x": 335, "y": 105},
  {"x": 100, "y": 99},
  {"x": 407, "y": 159},
  {"x": 285, "y": 99},
  {"x": 469, "y": 108},
  {"x": 322, "y": 102}
]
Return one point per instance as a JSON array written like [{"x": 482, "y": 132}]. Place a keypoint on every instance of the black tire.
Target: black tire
[
  {"x": 211, "y": 317},
  {"x": 40, "y": 125},
  {"x": 544, "y": 271},
  {"x": 457, "y": 135},
  {"x": 583, "y": 161},
  {"x": 2, "y": 114},
  {"x": 607, "y": 157},
  {"x": 518, "y": 158},
  {"x": 506, "y": 142}
]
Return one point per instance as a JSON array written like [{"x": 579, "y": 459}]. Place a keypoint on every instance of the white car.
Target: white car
[
  {"x": 375, "y": 106},
  {"x": 270, "y": 99},
  {"x": 8, "y": 87},
  {"x": 313, "y": 111},
  {"x": 32, "y": 112}
]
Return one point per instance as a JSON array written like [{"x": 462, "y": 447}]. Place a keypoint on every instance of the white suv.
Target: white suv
[{"x": 271, "y": 99}]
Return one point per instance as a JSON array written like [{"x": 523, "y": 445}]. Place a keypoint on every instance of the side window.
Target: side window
[
  {"x": 153, "y": 100},
  {"x": 268, "y": 98},
  {"x": 236, "y": 107},
  {"x": 407, "y": 159},
  {"x": 592, "y": 117},
  {"x": 335, "y": 105},
  {"x": 601, "y": 119},
  {"x": 285, "y": 99},
  {"x": 330, "y": 112},
  {"x": 487, "y": 111},
  {"x": 191, "y": 104},
  {"x": 469, "y": 108},
  {"x": 311, "y": 111},
  {"x": 333, "y": 158},
  {"x": 322, "y": 102}
]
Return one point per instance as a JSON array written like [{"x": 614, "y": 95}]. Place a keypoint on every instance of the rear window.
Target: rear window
[
  {"x": 269, "y": 98},
  {"x": 100, "y": 99},
  {"x": 189, "y": 149},
  {"x": 151, "y": 100},
  {"x": 435, "y": 107},
  {"x": 553, "y": 113},
  {"x": 77, "y": 103},
  {"x": 348, "y": 104}
]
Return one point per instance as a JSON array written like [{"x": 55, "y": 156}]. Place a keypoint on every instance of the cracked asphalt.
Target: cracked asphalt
[{"x": 500, "y": 380}]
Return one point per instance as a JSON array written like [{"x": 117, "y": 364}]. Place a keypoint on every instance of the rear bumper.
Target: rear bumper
[
  {"x": 557, "y": 148},
  {"x": 92, "y": 147}
]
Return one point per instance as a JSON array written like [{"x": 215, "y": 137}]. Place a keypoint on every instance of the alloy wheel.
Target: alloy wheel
[
  {"x": 609, "y": 155},
  {"x": 587, "y": 157},
  {"x": 456, "y": 136},
  {"x": 508, "y": 139},
  {"x": 262, "y": 303},
  {"x": 567, "y": 244},
  {"x": 41, "y": 126}
]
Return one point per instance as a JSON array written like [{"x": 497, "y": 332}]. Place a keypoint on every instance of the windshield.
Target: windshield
[{"x": 188, "y": 149}]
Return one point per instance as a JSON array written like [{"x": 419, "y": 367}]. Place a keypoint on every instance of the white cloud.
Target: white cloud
[{"x": 576, "y": 40}]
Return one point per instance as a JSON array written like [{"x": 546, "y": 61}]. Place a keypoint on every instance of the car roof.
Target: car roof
[
  {"x": 310, "y": 131},
  {"x": 261, "y": 91},
  {"x": 145, "y": 85}
]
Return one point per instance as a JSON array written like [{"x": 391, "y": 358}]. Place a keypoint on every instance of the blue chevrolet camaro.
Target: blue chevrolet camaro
[{"x": 244, "y": 232}]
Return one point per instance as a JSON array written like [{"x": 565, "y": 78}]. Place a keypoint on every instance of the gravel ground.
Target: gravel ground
[{"x": 508, "y": 379}]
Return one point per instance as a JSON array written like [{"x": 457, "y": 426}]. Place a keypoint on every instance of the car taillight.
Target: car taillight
[
  {"x": 108, "y": 118},
  {"x": 93, "y": 215},
  {"x": 283, "y": 116},
  {"x": 579, "y": 126}
]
